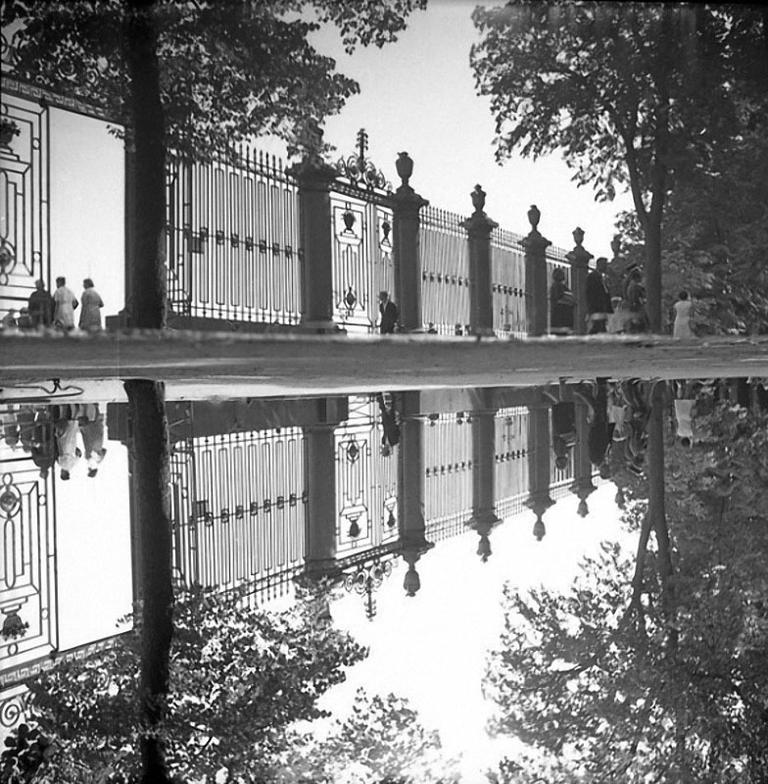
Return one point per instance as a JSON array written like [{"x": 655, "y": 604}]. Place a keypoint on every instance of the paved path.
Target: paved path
[{"x": 260, "y": 365}]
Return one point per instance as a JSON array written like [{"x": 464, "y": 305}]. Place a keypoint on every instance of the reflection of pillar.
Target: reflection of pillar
[
  {"x": 582, "y": 467},
  {"x": 538, "y": 466},
  {"x": 320, "y": 467},
  {"x": 484, "y": 516},
  {"x": 406, "y": 204},
  {"x": 410, "y": 480}
]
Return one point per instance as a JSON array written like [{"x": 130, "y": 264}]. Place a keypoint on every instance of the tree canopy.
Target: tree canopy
[
  {"x": 632, "y": 95},
  {"x": 229, "y": 69},
  {"x": 626, "y": 684}
]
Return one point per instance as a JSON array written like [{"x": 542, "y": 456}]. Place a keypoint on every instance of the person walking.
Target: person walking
[
  {"x": 65, "y": 306},
  {"x": 635, "y": 297},
  {"x": 90, "y": 313},
  {"x": 682, "y": 325},
  {"x": 561, "y": 302},
  {"x": 599, "y": 305},
  {"x": 389, "y": 314},
  {"x": 91, "y": 423},
  {"x": 40, "y": 306}
]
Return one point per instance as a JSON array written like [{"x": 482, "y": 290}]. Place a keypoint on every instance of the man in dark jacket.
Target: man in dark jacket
[
  {"x": 599, "y": 305},
  {"x": 40, "y": 306},
  {"x": 389, "y": 313}
]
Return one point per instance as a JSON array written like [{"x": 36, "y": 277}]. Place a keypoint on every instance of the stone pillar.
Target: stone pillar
[
  {"x": 535, "y": 247},
  {"x": 579, "y": 261},
  {"x": 315, "y": 178},
  {"x": 320, "y": 525},
  {"x": 539, "y": 440},
  {"x": 484, "y": 517},
  {"x": 582, "y": 467},
  {"x": 406, "y": 254},
  {"x": 410, "y": 480},
  {"x": 479, "y": 227}
]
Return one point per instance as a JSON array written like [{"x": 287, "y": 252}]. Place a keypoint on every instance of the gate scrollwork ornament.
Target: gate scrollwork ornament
[{"x": 10, "y": 497}]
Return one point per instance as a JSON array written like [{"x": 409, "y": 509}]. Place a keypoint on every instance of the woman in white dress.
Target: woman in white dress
[{"x": 682, "y": 325}]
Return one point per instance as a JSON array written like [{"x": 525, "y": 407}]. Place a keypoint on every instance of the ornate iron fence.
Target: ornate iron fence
[
  {"x": 233, "y": 238},
  {"x": 445, "y": 273},
  {"x": 239, "y": 509},
  {"x": 448, "y": 475},
  {"x": 508, "y": 283}
]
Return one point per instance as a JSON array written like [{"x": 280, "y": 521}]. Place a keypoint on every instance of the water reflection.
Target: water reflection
[{"x": 276, "y": 506}]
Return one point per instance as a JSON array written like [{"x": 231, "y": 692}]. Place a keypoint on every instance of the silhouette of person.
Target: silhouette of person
[
  {"x": 389, "y": 314},
  {"x": 599, "y": 305},
  {"x": 391, "y": 434},
  {"x": 40, "y": 305},
  {"x": 66, "y": 442}
]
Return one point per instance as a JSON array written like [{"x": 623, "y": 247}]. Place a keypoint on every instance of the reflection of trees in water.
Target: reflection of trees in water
[{"x": 654, "y": 668}]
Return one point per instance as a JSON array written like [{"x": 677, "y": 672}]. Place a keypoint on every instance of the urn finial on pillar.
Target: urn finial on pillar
[
  {"x": 539, "y": 531},
  {"x": 578, "y": 236},
  {"x": 534, "y": 216},
  {"x": 616, "y": 245},
  {"x": 404, "y": 166},
  {"x": 478, "y": 199}
]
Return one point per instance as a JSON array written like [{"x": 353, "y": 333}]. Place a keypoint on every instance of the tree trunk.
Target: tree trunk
[
  {"x": 146, "y": 300},
  {"x": 653, "y": 271},
  {"x": 152, "y": 529}
]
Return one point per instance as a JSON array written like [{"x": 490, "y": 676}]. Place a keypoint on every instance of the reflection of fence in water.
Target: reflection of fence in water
[
  {"x": 511, "y": 460},
  {"x": 448, "y": 475},
  {"x": 233, "y": 239},
  {"x": 366, "y": 481},
  {"x": 445, "y": 279},
  {"x": 239, "y": 509}
]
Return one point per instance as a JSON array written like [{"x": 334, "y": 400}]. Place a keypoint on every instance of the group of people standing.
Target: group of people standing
[
  {"x": 58, "y": 309},
  {"x": 611, "y": 311}
]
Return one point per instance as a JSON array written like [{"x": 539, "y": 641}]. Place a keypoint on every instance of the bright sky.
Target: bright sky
[{"x": 417, "y": 95}]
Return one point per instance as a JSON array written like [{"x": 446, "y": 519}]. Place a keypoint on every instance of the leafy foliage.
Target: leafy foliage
[
  {"x": 630, "y": 688},
  {"x": 229, "y": 69},
  {"x": 239, "y": 676},
  {"x": 381, "y": 741},
  {"x": 633, "y": 96}
]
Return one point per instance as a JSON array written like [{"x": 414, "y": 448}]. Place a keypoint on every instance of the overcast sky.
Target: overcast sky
[{"x": 418, "y": 95}]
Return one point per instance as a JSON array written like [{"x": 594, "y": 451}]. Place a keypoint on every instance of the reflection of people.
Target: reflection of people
[
  {"x": 563, "y": 432},
  {"x": 682, "y": 326},
  {"x": 599, "y": 305},
  {"x": 389, "y": 314},
  {"x": 391, "y": 435},
  {"x": 92, "y": 432},
  {"x": 40, "y": 306},
  {"x": 65, "y": 305},
  {"x": 66, "y": 441},
  {"x": 90, "y": 314},
  {"x": 562, "y": 302}
]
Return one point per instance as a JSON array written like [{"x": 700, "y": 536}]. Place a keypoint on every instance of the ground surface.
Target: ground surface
[{"x": 260, "y": 365}]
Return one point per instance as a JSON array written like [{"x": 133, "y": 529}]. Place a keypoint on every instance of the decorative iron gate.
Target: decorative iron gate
[
  {"x": 366, "y": 482},
  {"x": 508, "y": 283},
  {"x": 24, "y": 205},
  {"x": 239, "y": 509},
  {"x": 362, "y": 240}
]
